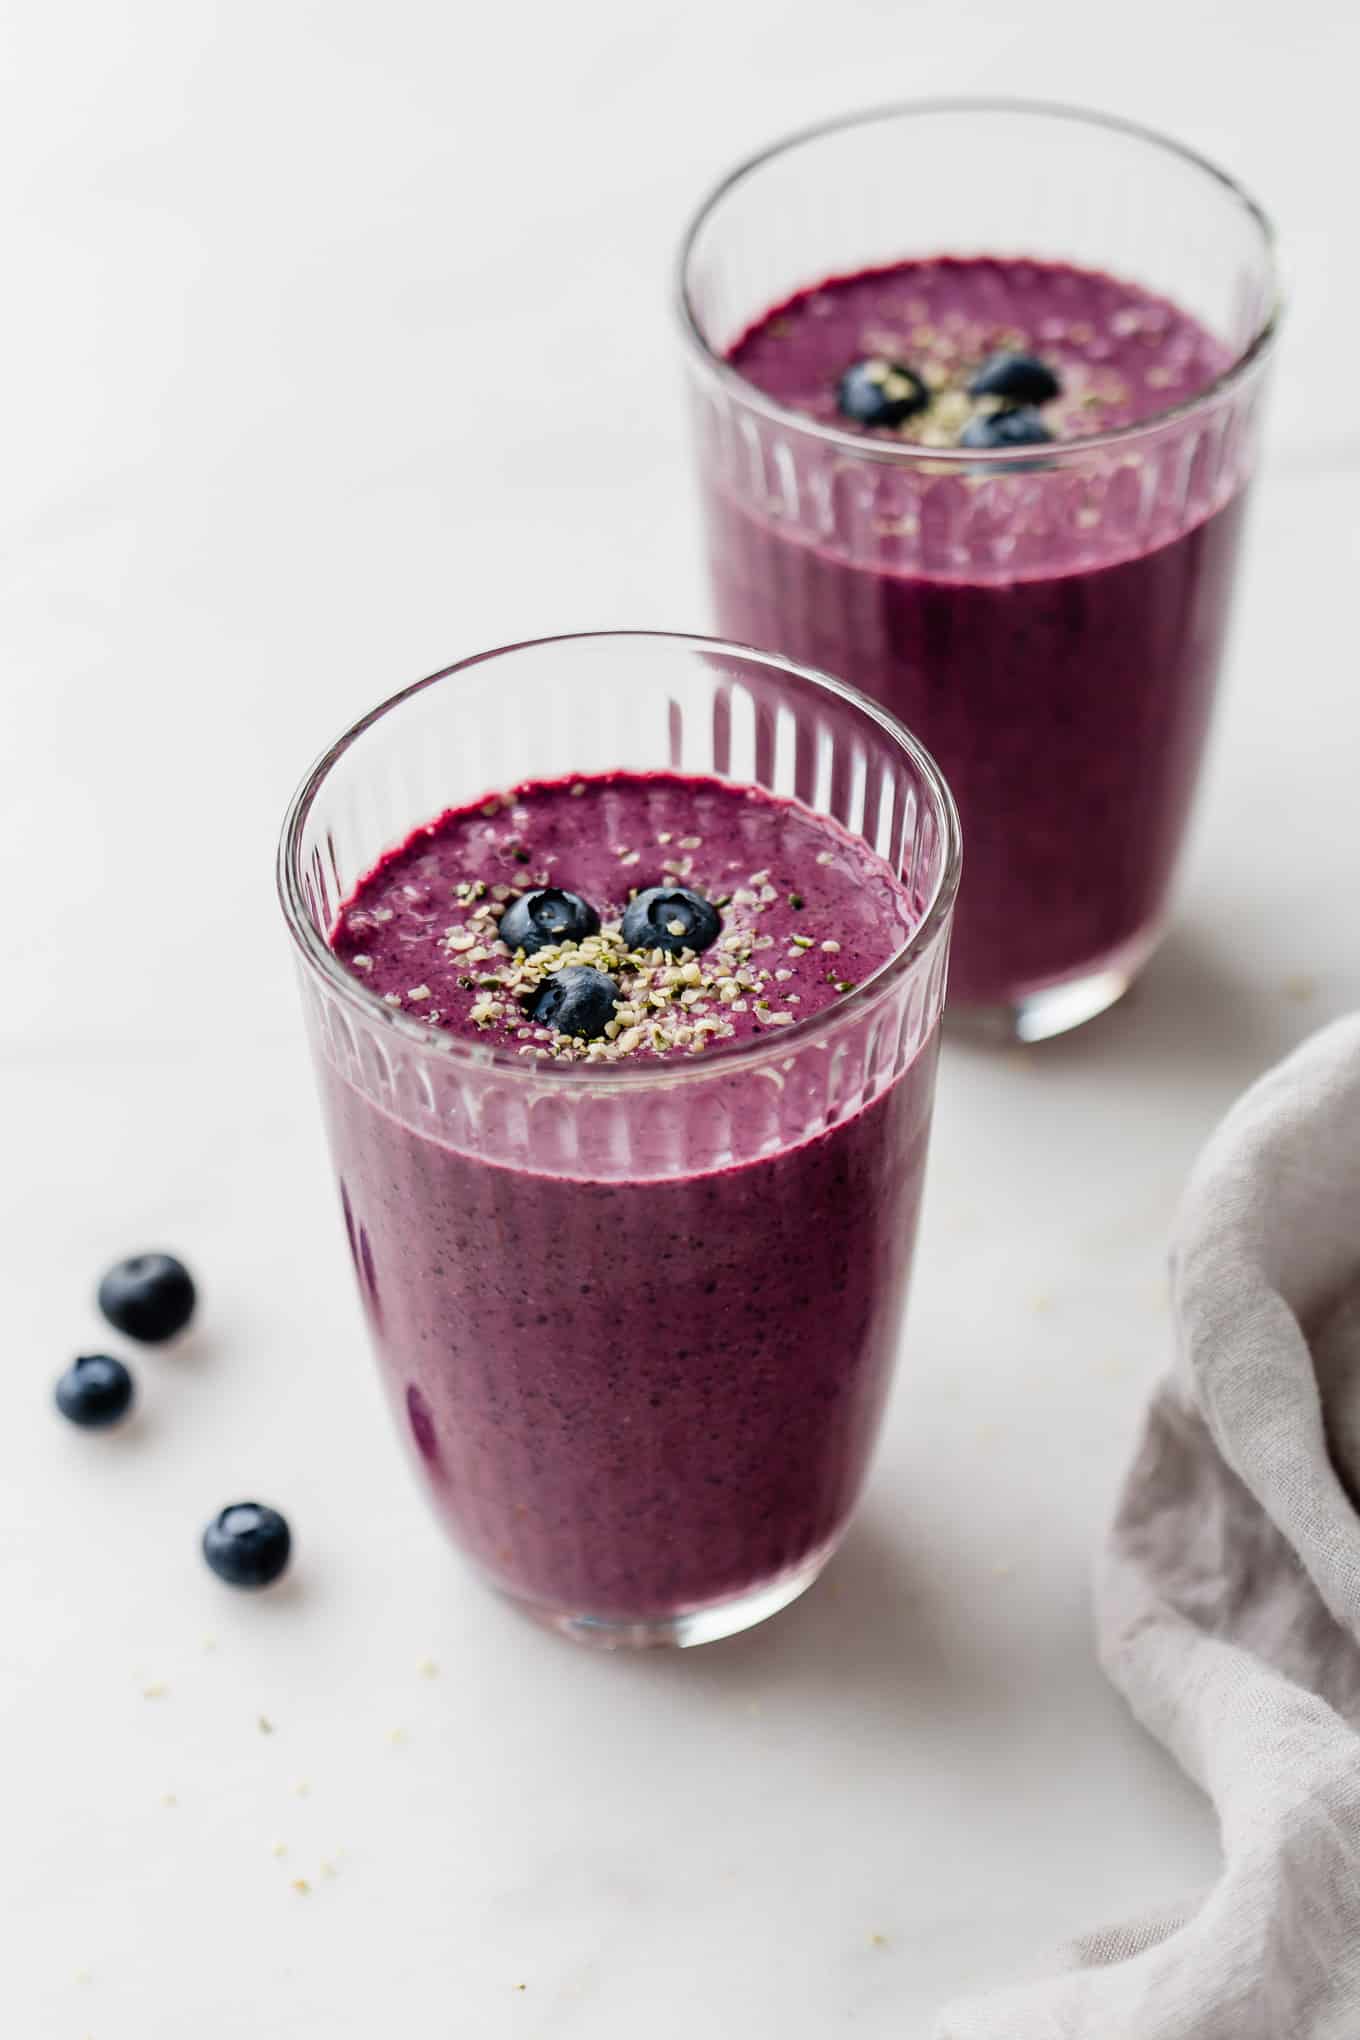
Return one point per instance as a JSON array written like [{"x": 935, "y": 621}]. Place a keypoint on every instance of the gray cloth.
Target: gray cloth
[{"x": 1228, "y": 1604}]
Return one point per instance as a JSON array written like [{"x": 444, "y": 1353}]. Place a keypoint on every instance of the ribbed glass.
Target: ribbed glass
[
  {"x": 1102, "y": 570},
  {"x": 634, "y": 1465}
]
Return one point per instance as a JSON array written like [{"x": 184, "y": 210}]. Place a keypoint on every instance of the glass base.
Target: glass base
[
  {"x": 1053, "y": 1009},
  {"x": 1038, "y": 1016},
  {"x": 676, "y": 1632}
]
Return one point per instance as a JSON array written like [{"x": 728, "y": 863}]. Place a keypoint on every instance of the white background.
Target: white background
[{"x": 336, "y": 346}]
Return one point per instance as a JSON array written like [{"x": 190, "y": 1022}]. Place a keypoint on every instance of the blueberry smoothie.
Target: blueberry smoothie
[
  {"x": 1049, "y": 620},
  {"x": 636, "y": 1391}
]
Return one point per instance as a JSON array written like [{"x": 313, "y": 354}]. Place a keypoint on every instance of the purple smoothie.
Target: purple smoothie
[
  {"x": 1052, "y": 630},
  {"x": 634, "y": 1397}
]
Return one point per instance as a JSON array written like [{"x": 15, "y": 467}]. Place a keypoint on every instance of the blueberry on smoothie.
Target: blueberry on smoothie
[
  {"x": 1020, "y": 427},
  {"x": 149, "y": 1297},
  {"x": 247, "y": 1544},
  {"x": 671, "y": 917},
  {"x": 95, "y": 1391},
  {"x": 880, "y": 392},
  {"x": 1019, "y": 378},
  {"x": 576, "y": 1000},
  {"x": 538, "y": 920}
]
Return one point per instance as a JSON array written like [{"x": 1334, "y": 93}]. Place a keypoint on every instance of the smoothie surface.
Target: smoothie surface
[
  {"x": 1120, "y": 353},
  {"x": 807, "y": 912}
]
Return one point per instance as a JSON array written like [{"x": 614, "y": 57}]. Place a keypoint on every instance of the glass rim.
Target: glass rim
[
  {"x": 1239, "y": 370},
  {"x": 321, "y": 959}
]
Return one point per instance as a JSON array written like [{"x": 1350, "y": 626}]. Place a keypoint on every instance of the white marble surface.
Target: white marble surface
[{"x": 336, "y": 346}]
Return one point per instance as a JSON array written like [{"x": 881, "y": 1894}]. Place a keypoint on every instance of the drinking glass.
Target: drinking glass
[
  {"x": 636, "y": 1320},
  {"x": 1051, "y": 625}
]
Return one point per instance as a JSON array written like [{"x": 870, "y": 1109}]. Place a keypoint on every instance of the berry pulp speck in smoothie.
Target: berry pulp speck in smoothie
[
  {"x": 634, "y": 1389},
  {"x": 1051, "y": 628}
]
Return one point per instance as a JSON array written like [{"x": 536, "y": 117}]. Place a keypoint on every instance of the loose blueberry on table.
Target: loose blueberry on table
[
  {"x": 95, "y": 1391},
  {"x": 247, "y": 1544},
  {"x": 150, "y": 1297}
]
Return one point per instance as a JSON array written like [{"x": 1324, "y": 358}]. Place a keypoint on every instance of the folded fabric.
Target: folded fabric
[{"x": 1228, "y": 1603}]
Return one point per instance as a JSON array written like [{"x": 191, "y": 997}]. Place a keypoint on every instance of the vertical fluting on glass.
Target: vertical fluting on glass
[{"x": 707, "y": 709}]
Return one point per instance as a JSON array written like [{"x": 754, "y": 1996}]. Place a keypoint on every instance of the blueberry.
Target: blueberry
[
  {"x": 1021, "y": 427},
  {"x": 670, "y": 917},
  {"x": 150, "y": 1297},
  {"x": 880, "y": 392},
  {"x": 247, "y": 1545},
  {"x": 95, "y": 1391},
  {"x": 1019, "y": 378},
  {"x": 576, "y": 1000},
  {"x": 537, "y": 920}
]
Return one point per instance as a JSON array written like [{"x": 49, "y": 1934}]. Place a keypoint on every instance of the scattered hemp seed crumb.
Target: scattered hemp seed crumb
[
  {"x": 578, "y": 789},
  {"x": 797, "y": 902},
  {"x": 169, "y": 1799},
  {"x": 265, "y": 1725},
  {"x": 300, "y": 1788},
  {"x": 362, "y": 962},
  {"x": 801, "y": 941},
  {"x": 210, "y": 1643},
  {"x": 396, "y": 1736},
  {"x": 156, "y": 1691},
  {"x": 832, "y": 948},
  {"x": 418, "y": 992},
  {"x": 302, "y": 1887},
  {"x": 826, "y": 856},
  {"x": 427, "y": 1668},
  {"x": 278, "y": 1848},
  {"x": 878, "y": 1940},
  {"x": 328, "y": 1868}
]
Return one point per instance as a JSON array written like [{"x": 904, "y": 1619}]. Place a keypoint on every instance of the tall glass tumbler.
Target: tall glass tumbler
[
  {"x": 636, "y": 1320},
  {"x": 1051, "y": 624}
]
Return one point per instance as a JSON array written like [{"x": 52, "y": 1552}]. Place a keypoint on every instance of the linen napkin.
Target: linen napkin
[{"x": 1228, "y": 1602}]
